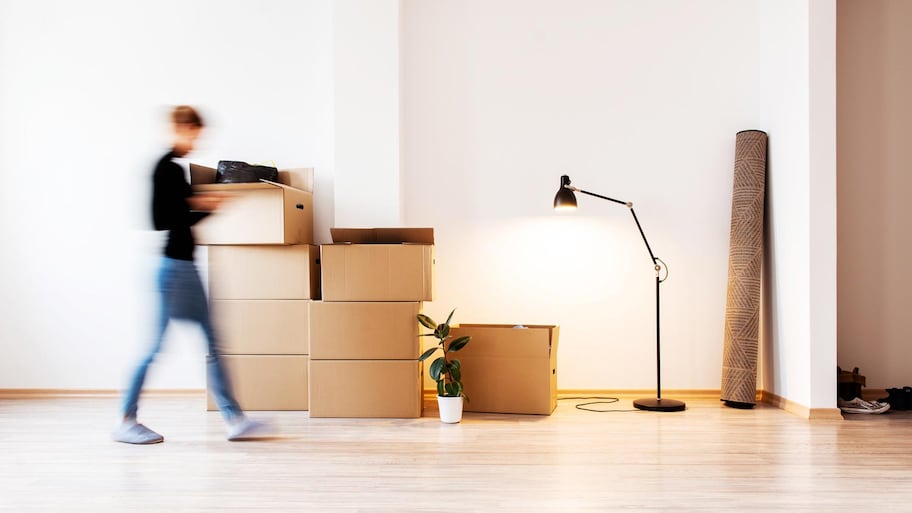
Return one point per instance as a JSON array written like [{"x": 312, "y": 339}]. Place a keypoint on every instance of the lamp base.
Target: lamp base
[{"x": 653, "y": 404}]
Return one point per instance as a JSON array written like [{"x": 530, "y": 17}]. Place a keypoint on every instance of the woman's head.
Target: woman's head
[{"x": 186, "y": 123}]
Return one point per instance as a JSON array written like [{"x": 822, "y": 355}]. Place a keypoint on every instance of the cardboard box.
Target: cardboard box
[
  {"x": 365, "y": 388},
  {"x": 364, "y": 331},
  {"x": 262, "y": 326},
  {"x": 506, "y": 369},
  {"x": 264, "y": 272},
  {"x": 381, "y": 264},
  {"x": 257, "y": 213},
  {"x": 266, "y": 382}
]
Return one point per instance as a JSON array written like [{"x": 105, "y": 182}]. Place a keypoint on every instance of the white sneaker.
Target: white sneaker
[
  {"x": 877, "y": 405},
  {"x": 246, "y": 429},
  {"x": 131, "y": 432},
  {"x": 859, "y": 405}
]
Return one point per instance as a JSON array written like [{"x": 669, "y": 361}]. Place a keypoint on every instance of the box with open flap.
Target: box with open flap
[
  {"x": 378, "y": 264},
  {"x": 257, "y": 213},
  {"x": 509, "y": 368}
]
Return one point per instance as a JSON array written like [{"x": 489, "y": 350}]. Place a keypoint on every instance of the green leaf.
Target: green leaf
[
  {"x": 451, "y": 389},
  {"x": 440, "y": 389},
  {"x": 427, "y": 322},
  {"x": 458, "y": 387},
  {"x": 428, "y": 335},
  {"x": 437, "y": 368},
  {"x": 455, "y": 372},
  {"x": 443, "y": 331},
  {"x": 450, "y": 318},
  {"x": 459, "y": 343},
  {"x": 427, "y": 354}
]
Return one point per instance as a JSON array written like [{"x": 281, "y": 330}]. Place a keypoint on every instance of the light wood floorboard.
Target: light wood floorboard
[{"x": 56, "y": 455}]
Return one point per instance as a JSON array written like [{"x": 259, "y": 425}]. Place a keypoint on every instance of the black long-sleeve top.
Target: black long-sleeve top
[{"x": 170, "y": 209}]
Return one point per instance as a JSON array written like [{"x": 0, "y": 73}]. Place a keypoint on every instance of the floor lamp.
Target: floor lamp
[{"x": 566, "y": 200}]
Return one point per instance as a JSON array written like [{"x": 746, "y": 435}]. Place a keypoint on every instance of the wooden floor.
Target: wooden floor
[{"x": 55, "y": 456}]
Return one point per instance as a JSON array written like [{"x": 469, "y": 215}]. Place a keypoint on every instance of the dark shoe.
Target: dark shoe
[{"x": 898, "y": 398}]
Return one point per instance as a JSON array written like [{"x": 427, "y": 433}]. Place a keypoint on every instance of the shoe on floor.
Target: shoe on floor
[
  {"x": 131, "y": 432},
  {"x": 898, "y": 398},
  {"x": 246, "y": 429},
  {"x": 859, "y": 405}
]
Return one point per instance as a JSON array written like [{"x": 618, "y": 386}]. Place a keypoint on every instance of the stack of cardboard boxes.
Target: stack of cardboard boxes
[
  {"x": 364, "y": 335},
  {"x": 263, "y": 274},
  {"x": 355, "y": 353}
]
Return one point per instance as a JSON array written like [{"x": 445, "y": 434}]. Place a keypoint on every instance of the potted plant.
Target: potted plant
[{"x": 444, "y": 370}]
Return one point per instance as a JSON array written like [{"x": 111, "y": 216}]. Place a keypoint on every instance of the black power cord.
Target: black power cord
[{"x": 597, "y": 400}]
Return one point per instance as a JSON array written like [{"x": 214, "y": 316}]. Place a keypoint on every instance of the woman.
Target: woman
[{"x": 176, "y": 208}]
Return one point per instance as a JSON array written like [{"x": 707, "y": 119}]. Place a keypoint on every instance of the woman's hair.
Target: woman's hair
[{"x": 186, "y": 115}]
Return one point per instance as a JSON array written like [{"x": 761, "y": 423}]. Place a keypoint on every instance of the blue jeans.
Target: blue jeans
[{"x": 182, "y": 297}]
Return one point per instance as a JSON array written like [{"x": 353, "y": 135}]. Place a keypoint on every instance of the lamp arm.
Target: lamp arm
[
  {"x": 625, "y": 203},
  {"x": 655, "y": 261},
  {"x": 642, "y": 234}
]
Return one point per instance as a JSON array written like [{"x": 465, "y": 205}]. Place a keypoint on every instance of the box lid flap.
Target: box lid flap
[
  {"x": 203, "y": 178},
  {"x": 201, "y": 174},
  {"x": 234, "y": 187},
  {"x": 382, "y": 235},
  {"x": 249, "y": 186},
  {"x": 277, "y": 184},
  {"x": 508, "y": 340},
  {"x": 299, "y": 178}
]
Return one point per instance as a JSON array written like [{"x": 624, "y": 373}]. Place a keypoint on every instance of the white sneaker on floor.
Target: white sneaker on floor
[
  {"x": 247, "y": 429},
  {"x": 877, "y": 405},
  {"x": 859, "y": 405},
  {"x": 131, "y": 432}
]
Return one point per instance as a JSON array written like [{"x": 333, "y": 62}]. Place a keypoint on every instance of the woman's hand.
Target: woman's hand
[{"x": 207, "y": 201}]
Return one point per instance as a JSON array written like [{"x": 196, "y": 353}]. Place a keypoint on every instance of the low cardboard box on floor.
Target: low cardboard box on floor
[
  {"x": 257, "y": 213},
  {"x": 508, "y": 368},
  {"x": 378, "y": 264},
  {"x": 365, "y": 388}
]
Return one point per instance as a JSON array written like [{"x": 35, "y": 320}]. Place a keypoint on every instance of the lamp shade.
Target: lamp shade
[{"x": 564, "y": 199}]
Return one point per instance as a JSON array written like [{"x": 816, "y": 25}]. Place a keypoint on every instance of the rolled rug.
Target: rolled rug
[{"x": 742, "y": 310}]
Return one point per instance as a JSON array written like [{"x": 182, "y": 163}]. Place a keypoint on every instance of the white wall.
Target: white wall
[
  {"x": 822, "y": 244},
  {"x": 800, "y": 293},
  {"x": 638, "y": 101},
  {"x": 786, "y": 355},
  {"x": 85, "y": 90},
  {"x": 366, "y": 79}
]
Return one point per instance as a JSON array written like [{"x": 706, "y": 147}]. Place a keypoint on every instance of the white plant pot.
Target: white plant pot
[{"x": 450, "y": 409}]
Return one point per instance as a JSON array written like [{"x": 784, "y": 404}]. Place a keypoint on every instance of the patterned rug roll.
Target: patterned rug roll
[{"x": 742, "y": 311}]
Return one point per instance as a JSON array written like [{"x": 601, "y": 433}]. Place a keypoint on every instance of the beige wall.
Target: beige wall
[{"x": 874, "y": 191}]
